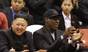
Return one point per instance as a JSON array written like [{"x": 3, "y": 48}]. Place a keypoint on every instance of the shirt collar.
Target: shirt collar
[{"x": 65, "y": 17}]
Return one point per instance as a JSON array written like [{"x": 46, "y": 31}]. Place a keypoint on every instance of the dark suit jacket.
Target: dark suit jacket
[
  {"x": 74, "y": 21},
  {"x": 82, "y": 12},
  {"x": 7, "y": 40},
  {"x": 43, "y": 40}
]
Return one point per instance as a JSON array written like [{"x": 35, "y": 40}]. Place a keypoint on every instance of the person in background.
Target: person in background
[
  {"x": 3, "y": 21},
  {"x": 17, "y": 7},
  {"x": 17, "y": 39},
  {"x": 67, "y": 18},
  {"x": 81, "y": 11}
]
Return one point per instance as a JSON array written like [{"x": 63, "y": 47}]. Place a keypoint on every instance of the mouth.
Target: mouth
[
  {"x": 19, "y": 30},
  {"x": 56, "y": 24}
]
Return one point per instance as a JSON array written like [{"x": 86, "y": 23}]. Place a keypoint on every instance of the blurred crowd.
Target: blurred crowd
[{"x": 62, "y": 21}]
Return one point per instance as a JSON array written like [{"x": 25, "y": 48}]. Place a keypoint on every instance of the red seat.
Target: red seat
[{"x": 85, "y": 36}]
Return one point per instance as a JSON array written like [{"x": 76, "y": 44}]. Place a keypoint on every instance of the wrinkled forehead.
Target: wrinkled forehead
[{"x": 17, "y": 0}]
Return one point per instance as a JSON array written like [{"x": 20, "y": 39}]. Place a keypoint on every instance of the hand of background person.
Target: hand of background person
[
  {"x": 42, "y": 50},
  {"x": 25, "y": 51},
  {"x": 12, "y": 50}
]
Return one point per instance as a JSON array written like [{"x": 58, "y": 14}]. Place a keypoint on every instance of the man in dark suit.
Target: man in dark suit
[
  {"x": 16, "y": 39},
  {"x": 49, "y": 38},
  {"x": 67, "y": 18}
]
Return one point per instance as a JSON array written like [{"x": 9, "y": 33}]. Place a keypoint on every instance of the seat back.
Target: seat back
[{"x": 33, "y": 28}]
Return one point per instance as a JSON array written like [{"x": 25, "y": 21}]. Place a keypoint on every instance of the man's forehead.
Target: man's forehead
[
  {"x": 17, "y": 0},
  {"x": 20, "y": 20}
]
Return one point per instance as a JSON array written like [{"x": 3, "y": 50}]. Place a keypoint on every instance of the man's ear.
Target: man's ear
[{"x": 46, "y": 19}]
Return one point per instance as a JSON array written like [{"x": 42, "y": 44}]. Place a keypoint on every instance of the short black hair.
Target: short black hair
[{"x": 25, "y": 17}]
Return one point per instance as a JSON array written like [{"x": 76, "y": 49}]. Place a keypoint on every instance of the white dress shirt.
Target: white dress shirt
[
  {"x": 67, "y": 20},
  {"x": 53, "y": 35}
]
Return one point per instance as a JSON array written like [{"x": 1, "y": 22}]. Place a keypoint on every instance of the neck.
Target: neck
[{"x": 66, "y": 14}]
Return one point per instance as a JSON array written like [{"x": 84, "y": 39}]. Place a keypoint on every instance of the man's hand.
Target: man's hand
[{"x": 76, "y": 36}]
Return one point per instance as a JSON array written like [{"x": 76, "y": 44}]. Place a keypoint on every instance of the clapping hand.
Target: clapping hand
[{"x": 76, "y": 36}]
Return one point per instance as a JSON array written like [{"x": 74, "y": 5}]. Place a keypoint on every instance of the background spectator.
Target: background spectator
[
  {"x": 67, "y": 18},
  {"x": 3, "y": 21},
  {"x": 17, "y": 7}
]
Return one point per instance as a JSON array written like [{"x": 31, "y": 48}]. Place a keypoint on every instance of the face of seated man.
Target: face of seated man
[
  {"x": 19, "y": 26},
  {"x": 52, "y": 23}
]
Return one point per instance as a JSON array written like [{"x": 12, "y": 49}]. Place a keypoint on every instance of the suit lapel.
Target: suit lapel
[
  {"x": 49, "y": 38},
  {"x": 58, "y": 34},
  {"x": 62, "y": 23}
]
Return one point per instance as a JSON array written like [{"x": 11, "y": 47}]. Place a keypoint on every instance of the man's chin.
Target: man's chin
[{"x": 19, "y": 34}]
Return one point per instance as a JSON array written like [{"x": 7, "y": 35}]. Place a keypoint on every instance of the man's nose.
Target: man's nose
[
  {"x": 17, "y": 3},
  {"x": 57, "y": 21},
  {"x": 19, "y": 26}
]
